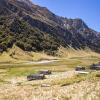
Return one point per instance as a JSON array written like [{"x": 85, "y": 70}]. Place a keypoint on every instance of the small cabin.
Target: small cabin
[
  {"x": 95, "y": 66},
  {"x": 45, "y": 72},
  {"x": 98, "y": 75},
  {"x": 35, "y": 77},
  {"x": 1, "y": 50},
  {"x": 79, "y": 68}
]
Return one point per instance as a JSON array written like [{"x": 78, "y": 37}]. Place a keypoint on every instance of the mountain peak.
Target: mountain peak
[{"x": 26, "y": 1}]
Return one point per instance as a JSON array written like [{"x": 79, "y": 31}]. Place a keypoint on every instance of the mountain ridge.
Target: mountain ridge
[{"x": 35, "y": 28}]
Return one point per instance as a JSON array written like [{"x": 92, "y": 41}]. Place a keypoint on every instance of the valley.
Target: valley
[{"x": 63, "y": 84}]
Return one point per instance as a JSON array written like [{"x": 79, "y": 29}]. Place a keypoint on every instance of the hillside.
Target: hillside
[
  {"x": 35, "y": 28},
  {"x": 15, "y": 55}
]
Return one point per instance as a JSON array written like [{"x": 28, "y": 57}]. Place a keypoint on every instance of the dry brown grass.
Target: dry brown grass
[
  {"x": 70, "y": 52},
  {"x": 84, "y": 90},
  {"x": 17, "y": 55}
]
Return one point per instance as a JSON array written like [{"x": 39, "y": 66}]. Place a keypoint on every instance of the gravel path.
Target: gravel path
[{"x": 30, "y": 62}]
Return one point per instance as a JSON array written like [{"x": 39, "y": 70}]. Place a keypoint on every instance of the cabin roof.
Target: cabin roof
[
  {"x": 1, "y": 50},
  {"x": 37, "y": 75},
  {"x": 96, "y": 65},
  {"x": 44, "y": 70}
]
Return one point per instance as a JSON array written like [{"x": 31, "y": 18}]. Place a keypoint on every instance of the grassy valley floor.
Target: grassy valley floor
[{"x": 63, "y": 84}]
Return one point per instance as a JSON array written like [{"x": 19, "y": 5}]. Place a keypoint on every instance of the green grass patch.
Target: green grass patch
[
  {"x": 20, "y": 71},
  {"x": 57, "y": 66}
]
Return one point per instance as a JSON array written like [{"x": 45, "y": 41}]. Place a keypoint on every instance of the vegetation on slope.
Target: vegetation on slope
[{"x": 27, "y": 38}]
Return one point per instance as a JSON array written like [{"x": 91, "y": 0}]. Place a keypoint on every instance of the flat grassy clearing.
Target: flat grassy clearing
[{"x": 60, "y": 65}]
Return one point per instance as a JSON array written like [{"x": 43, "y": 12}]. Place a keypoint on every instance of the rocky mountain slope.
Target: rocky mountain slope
[{"x": 35, "y": 28}]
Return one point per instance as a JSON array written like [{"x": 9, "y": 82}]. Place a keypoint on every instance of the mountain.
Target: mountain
[{"x": 35, "y": 28}]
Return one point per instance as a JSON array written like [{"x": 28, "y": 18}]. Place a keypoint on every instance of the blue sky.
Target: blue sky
[{"x": 88, "y": 10}]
